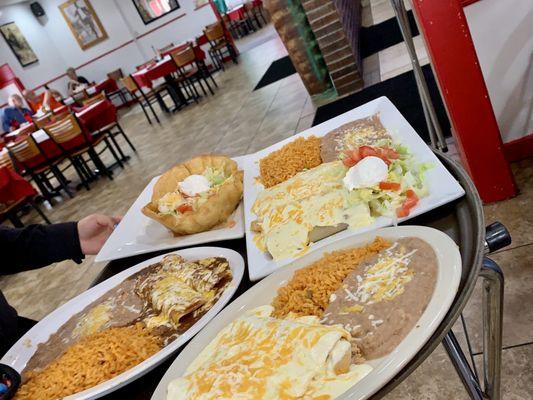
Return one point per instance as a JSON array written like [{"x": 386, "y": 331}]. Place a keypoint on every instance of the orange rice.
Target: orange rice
[
  {"x": 94, "y": 359},
  {"x": 310, "y": 288},
  {"x": 292, "y": 158}
]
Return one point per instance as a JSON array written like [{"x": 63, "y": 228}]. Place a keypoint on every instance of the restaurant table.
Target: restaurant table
[
  {"x": 461, "y": 219},
  {"x": 161, "y": 69},
  {"x": 107, "y": 85},
  {"x": 13, "y": 187},
  {"x": 199, "y": 54},
  {"x": 96, "y": 116}
]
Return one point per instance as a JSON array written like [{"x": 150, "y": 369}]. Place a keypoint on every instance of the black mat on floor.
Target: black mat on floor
[
  {"x": 279, "y": 69},
  {"x": 385, "y": 34},
  {"x": 402, "y": 92}
]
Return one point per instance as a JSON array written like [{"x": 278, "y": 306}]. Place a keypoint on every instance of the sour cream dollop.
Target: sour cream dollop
[
  {"x": 193, "y": 185},
  {"x": 366, "y": 173}
]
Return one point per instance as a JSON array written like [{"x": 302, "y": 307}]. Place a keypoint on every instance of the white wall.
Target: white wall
[
  {"x": 57, "y": 48},
  {"x": 502, "y": 32},
  {"x": 50, "y": 61}
]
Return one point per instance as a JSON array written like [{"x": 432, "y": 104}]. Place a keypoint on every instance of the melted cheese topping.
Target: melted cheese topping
[
  {"x": 94, "y": 320},
  {"x": 259, "y": 357},
  {"x": 291, "y": 209},
  {"x": 386, "y": 279}
]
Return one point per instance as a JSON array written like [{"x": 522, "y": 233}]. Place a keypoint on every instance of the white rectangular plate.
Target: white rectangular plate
[
  {"x": 385, "y": 368},
  {"x": 443, "y": 187},
  {"x": 138, "y": 234},
  {"x": 22, "y": 351}
]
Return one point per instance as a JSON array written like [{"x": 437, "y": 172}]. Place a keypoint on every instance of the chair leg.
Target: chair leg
[
  {"x": 114, "y": 142},
  {"x": 117, "y": 158},
  {"x": 145, "y": 113},
  {"x": 100, "y": 164},
  {"x": 83, "y": 175},
  {"x": 153, "y": 112},
  {"x": 46, "y": 192},
  {"x": 40, "y": 212},
  {"x": 121, "y": 131},
  {"x": 62, "y": 180},
  {"x": 207, "y": 84},
  {"x": 15, "y": 220},
  {"x": 201, "y": 86}
]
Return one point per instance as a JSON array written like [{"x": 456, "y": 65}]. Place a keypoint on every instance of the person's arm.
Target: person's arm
[
  {"x": 36, "y": 246},
  {"x": 46, "y": 101},
  {"x": 6, "y": 121}
]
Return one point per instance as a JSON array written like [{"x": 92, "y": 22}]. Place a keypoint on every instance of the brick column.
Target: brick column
[{"x": 335, "y": 24}]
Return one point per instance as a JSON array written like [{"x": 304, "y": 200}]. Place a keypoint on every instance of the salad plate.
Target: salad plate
[{"x": 137, "y": 234}]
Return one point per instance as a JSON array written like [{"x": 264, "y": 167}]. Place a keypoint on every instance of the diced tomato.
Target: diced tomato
[
  {"x": 389, "y": 153},
  {"x": 183, "y": 208},
  {"x": 389, "y": 186},
  {"x": 408, "y": 204},
  {"x": 348, "y": 161},
  {"x": 351, "y": 157},
  {"x": 355, "y": 155},
  {"x": 412, "y": 199},
  {"x": 367, "y": 151},
  {"x": 402, "y": 212}
]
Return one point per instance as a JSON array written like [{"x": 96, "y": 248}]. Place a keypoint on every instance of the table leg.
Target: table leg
[
  {"x": 493, "y": 284},
  {"x": 175, "y": 92},
  {"x": 462, "y": 367}
]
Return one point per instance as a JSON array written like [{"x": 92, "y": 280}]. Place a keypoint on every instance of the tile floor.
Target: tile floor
[{"x": 238, "y": 121}]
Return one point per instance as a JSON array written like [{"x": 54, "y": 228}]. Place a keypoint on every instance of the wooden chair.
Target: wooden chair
[
  {"x": 255, "y": 13},
  {"x": 117, "y": 75},
  {"x": 166, "y": 48},
  {"x": 216, "y": 35},
  {"x": 73, "y": 142},
  {"x": 39, "y": 166},
  {"x": 144, "y": 99},
  {"x": 198, "y": 70},
  {"x": 10, "y": 211},
  {"x": 94, "y": 99}
]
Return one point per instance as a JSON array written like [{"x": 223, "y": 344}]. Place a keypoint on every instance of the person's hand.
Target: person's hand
[{"x": 94, "y": 230}]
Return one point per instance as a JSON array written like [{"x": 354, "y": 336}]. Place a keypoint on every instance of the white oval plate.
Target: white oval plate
[
  {"x": 385, "y": 368},
  {"x": 21, "y": 352}
]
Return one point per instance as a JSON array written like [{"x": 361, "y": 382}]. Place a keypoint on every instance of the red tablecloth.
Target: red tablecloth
[
  {"x": 145, "y": 77},
  {"x": 96, "y": 116},
  {"x": 13, "y": 187},
  {"x": 238, "y": 13},
  {"x": 109, "y": 86},
  {"x": 198, "y": 52}
]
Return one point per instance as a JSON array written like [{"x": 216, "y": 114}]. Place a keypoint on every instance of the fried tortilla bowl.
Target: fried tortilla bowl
[{"x": 220, "y": 203}]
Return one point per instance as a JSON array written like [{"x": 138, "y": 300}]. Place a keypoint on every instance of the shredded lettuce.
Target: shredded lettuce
[
  {"x": 406, "y": 172},
  {"x": 215, "y": 176}
]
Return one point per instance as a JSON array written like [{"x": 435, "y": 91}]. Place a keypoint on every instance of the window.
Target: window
[{"x": 150, "y": 10}]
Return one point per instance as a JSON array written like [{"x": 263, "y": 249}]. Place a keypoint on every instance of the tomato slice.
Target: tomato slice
[
  {"x": 351, "y": 157},
  {"x": 389, "y": 186},
  {"x": 402, "y": 212},
  {"x": 367, "y": 151},
  {"x": 183, "y": 208},
  {"x": 389, "y": 153},
  {"x": 408, "y": 204},
  {"x": 349, "y": 162}
]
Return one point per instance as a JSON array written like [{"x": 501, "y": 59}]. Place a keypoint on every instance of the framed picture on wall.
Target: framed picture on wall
[
  {"x": 18, "y": 44},
  {"x": 151, "y": 10},
  {"x": 83, "y": 23}
]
